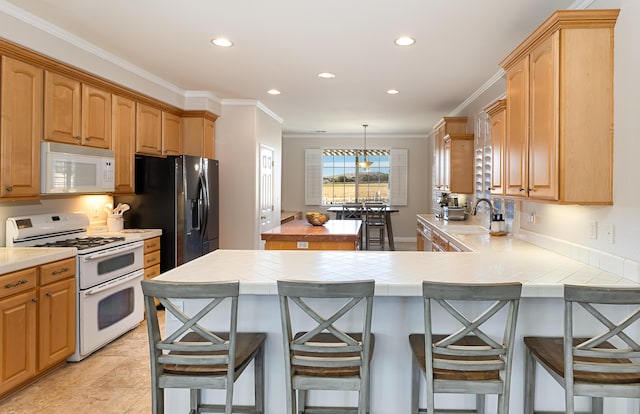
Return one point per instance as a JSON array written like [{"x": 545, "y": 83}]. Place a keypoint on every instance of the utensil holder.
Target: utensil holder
[{"x": 115, "y": 223}]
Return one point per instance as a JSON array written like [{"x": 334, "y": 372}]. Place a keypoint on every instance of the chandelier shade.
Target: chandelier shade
[{"x": 365, "y": 164}]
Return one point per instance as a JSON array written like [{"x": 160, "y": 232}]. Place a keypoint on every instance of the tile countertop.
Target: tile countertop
[
  {"x": 497, "y": 259},
  {"x": 16, "y": 258}
]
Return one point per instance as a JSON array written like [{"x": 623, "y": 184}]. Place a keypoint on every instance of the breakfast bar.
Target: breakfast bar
[{"x": 397, "y": 310}]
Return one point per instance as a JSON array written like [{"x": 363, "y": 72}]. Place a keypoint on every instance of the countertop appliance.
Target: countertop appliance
[
  {"x": 75, "y": 169},
  {"x": 108, "y": 274},
  {"x": 180, "y": 196},
  {"x": 454, "y": 213}
]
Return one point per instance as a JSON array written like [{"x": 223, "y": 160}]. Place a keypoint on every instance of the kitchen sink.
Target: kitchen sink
[{"x": 465, "y": 229}]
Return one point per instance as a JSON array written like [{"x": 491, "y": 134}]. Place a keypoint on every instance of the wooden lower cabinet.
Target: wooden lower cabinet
[
  {"x": 151, "y": 258},
  {"x": 37, "y": 321},
  {"x": 57, "y": 317}
]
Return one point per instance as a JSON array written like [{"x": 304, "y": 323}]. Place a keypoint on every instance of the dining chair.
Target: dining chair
[
  {"x": 470, "y": 359},
  {"x": 322, "y": 356},
  {"x": 194, "y": 357},
  {"x": 375, "y": 222},
  {"x": 352, "y": 211},
  {"x": 606, "y": 364}
]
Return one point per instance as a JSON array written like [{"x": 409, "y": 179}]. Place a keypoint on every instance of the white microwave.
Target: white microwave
[{"x": 75, "y": 169}]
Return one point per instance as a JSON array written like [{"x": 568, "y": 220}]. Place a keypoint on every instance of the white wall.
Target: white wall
[
  {"x": 419, "y": 177},
  {"x": 240, "y": 131}
]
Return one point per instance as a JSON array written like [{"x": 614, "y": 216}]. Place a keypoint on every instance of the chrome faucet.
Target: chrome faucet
[{"x": 474, "y": 210}]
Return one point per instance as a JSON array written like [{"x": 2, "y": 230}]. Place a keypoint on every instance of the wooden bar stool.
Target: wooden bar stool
[
  {"x": 325, "y": 357},
  {"x": 196, "y": 358},
  {"x": 603, "y": 365},
  {"x": 468, "y": 360}
]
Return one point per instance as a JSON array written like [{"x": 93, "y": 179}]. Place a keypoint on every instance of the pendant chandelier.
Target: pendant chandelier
[{"x": 365, "y": 164}]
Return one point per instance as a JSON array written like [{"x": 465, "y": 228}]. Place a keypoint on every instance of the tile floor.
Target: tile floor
[{"x": 114, "y": 380}]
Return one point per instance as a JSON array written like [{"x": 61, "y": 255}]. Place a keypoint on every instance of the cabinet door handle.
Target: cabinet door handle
[
  {"x": 18, "y": 283},
  {"x": 9, "y": 189},
  {"x": 49, "y": 294},
  {"x": 521, "y": 189},
  {"x": 78, "y": 138},
  {"x": 34, "y": 300},
  {"x": 63, "y": 270},
  {"x": 87, "y": 139}
]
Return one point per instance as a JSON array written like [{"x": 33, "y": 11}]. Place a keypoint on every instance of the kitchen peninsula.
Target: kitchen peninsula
[
  {"x": 397, "y": 308},
  {"x": 300, "y": 235}
]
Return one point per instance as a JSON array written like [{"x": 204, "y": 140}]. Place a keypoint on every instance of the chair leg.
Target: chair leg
[
  {"x": 480, "y": 404},
  {"x": 194, "y": 397},
  {"x": 302, "y": 401},
  {"x": 597, "y": 405},
  {"x": 157, "y": 399},
  {"x": 258, "y": 368},
  {"x": 415, "y": 386},
  {"x": 529, "y": 381}
]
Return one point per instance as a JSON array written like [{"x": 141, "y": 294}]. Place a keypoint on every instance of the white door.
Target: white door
[{"x": 266, "y": 188}]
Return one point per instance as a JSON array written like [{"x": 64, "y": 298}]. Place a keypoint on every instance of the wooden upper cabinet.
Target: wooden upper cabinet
[
  {"x": 458, "y": 163},
  {"x": 148, "y": 130},
  {"x": 453, "y": 162},
  {"x": 198, "y": 134},
  {"x": 20, "y": 128},
  {"x": 559, "y": 144},
  {"x": 209, "y": 139},
  {"x": 96, "y": 117},
  {"x": 124, "y": 143},
  {"x": 62, "y": 109},
  {"x": 76, "y": 113},
  {"x": 171, "y": 134},
  {"x": 498, "y": 129}
]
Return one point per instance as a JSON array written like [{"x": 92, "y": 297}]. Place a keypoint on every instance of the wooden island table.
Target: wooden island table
[{"x": 300, "y": 235}]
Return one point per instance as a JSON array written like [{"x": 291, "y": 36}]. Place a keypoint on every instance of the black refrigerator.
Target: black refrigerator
[{"x": 180, "y": 196}]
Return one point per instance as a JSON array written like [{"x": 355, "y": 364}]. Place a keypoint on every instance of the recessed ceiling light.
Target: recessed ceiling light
[
  {"x": 393, "y": 91},
  {"x": 273, "y": 92},
  {"x": 222, "y": 42},
  {"x": 326, "y": 75},
  {"x": 405, "y": 41}
]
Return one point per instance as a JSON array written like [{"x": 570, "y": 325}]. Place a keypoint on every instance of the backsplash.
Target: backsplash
[
  {"x": 92, "y": 205},
  {"x": 618, "y": 265}
]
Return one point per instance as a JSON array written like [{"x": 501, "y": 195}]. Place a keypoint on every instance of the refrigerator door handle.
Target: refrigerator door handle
[{"x": 204, "y": 188}]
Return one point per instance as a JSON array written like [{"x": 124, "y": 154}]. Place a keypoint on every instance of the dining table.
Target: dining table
[{"x": 388, "y": 210}]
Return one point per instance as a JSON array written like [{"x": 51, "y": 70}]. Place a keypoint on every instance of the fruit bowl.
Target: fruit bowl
[{"x": 316, "y": 219}]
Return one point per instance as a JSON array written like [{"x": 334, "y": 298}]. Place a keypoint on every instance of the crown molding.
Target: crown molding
[{"x": 253, "y": 102}]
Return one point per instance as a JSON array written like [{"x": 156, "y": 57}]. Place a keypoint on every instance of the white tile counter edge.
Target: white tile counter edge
[
  {"x": 542, "y": 273},
  {"x": 13, "y": 259}
]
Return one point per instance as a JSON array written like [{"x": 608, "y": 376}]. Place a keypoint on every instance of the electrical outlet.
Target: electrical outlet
[
  {"x": 532, "y": 218},
  {"x": 593, "y": 230},
  {"x": 611, "y": 233},
  {"x": 94, "y": 212}
]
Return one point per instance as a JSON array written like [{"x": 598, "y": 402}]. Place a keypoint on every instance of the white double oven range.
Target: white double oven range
[{"x": 108, "y": 274}]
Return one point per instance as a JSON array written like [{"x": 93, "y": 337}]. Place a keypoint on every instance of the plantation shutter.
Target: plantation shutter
[
  {"x": 398, "y": 174},
  {"x": 313, "y": 176}
]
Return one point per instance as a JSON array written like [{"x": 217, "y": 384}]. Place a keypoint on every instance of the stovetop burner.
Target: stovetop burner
[{"x": 83, "y": 243}]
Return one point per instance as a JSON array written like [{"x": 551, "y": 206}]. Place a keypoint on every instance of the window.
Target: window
[
  {"x": 333, "y": 177},
  {"x": 343, "y": 181}
]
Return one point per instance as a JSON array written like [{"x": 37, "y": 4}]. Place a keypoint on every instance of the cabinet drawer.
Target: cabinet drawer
[
  {"x": 152, "y": 271},
  {"x": 19, "y": 281},
  {"x": 151, "y": 259},
  {"x": 151, "y": 245},
  {"x": 62, "y": 269}
]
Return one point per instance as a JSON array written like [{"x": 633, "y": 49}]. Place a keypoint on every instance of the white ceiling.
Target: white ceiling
[{"x": 284, "y": 44}]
